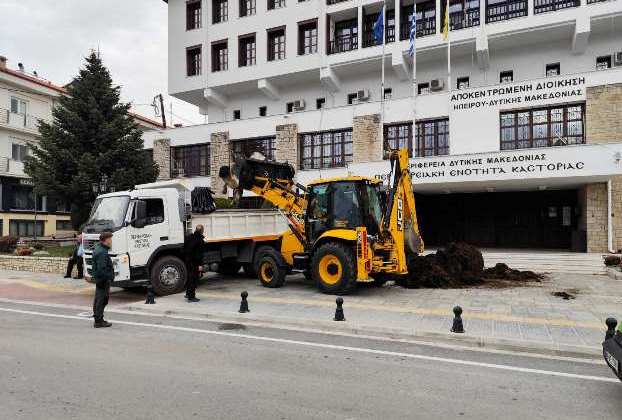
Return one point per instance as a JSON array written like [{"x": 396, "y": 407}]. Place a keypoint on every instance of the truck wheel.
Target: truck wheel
[
  {"x": 168, "y": 276},
  {"x": 270, "y": 267},
  {"x": 228, "y": 267},
  {"x": 334, "y": 268}
]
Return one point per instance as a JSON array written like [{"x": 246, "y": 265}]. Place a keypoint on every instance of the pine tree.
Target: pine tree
[{"x": 91, "y": 137}]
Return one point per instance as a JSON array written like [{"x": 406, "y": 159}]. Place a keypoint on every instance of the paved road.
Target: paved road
[{"x": 56, "y": 366}]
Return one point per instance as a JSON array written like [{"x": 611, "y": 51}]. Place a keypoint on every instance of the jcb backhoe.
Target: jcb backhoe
[{"x": 344, "y": 230}]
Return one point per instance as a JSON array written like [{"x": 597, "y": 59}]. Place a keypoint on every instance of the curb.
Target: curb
[
  {"x": 614, "y": 274},
  {"x": 365, "y": 331}
]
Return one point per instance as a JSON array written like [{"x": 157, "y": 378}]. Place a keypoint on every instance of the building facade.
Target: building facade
[
  {"x": 517, "y": 140},
  {"x": 26, "y": 98}
]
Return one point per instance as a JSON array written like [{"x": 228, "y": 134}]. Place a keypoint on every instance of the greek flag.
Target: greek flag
[
  {"x": 413, "y": 32},
  {"x": 379, "y": 28}
]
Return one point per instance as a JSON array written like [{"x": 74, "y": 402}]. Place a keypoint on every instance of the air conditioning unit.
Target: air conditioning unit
[
  {"x": 437, "y": 84},
  {"x": 362, "y": 95},
  {"x": 617, "y": 59},
  {"x": 299, "y": 105}
]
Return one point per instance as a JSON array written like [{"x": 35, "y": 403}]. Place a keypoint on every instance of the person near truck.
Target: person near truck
[
  {"x": 76, "y": 259},
  {"x": 103, "y": 274},
  {"x": 193, "y": 250}
]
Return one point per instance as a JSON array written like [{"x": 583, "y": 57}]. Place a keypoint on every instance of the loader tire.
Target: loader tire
[
  {"x": 334, "y": 268},
  {"x": 270, "y": 267},
  {"x": 168, "y": 276}
]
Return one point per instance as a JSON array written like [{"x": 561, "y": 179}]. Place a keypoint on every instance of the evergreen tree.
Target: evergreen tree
[{"x": 91, "y": 137}]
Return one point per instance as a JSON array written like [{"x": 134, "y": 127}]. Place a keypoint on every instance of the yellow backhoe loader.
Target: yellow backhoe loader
[{"x": 343, "y": 230}]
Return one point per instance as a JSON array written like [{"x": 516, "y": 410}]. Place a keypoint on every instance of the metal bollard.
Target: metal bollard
[
  {"x": 244, "y": 303},
  {"x": 612, "y": 323},
  {"x": 457, "y": 327},
  {"x": 339, "y": 316},
  {"x": 150, "y": 295}
]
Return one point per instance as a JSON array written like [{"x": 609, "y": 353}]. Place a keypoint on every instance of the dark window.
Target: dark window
[
  {"x": 193, "y": 61},
  {"x": 326, "y": 149},
  {"x": 276, "y": 44},
  {"x": 369, "y": 38},
  {"x": 25, "y": 228},
  {"x": 275, "y": 4},
  {"x": 263, "y": 111},
  {"x": 542, "y": 6},
  {"x": 19, "y": 152},
  {"x": 553, "y": 69},
  {"x": 247, "y": 8},
  {"x": 506, "y": 76},
  {"x": 64, "y": 225},
  {"x": 247, "y": 51},
  {"x": 398, "y": 136},
  {"x": 462, "y": 82},
  {"x": 423, "y": 88},
  {"x": 432, "y": 138},
  {"x": 426, "y": 19},
  {"x": 289, "y": 107},
  {"x": 462, "y": 13},
  {"x": 307, "y": 38},
  {"x": 190, "y": 160},
  {"x": 320, "y": 103},
  {"x": 603, "y": 62},
  {"x": 499, "y": 10},
  {"x": 220, "y": 11},
  {"x": 237, "y": 114},
  {"x": 246, "y": 147},
  {"x": 389, "y": 27},
  {"x": 220, "y": 56},
  {"x": 543, "y": 127},
  {"x": 345, "y": 36},
  {"x": 22, "y": 197},
  {"x": 388, "y": 92},
  {"x": 193, "y": 15},
  {"x": 154, "y": 213},
  {"x": 352, "y": 98}
]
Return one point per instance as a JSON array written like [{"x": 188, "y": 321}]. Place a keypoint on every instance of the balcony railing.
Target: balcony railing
[
  {"x": 543, "y": 6},
  {"x": 595, "y": 1},
  {"x": 329, "y": 2},
  {"x": 425, "y": 27},
  {"x": 369, "y": 38},
  {"x": 461, "y": 20},
  {"x": 343, "y": 44},
  {"x": 18, "y": 121},
  {"x": 505, "y": 10}
]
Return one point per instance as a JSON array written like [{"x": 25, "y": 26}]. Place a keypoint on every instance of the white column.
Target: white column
[
  {"x": 529, "y": 7},
  {"x": 482, "y": 14},
  {"x": 439, "y": 12},
  {"x": 398, "y": 21},
  {"x": 609, "y": 219},
  {"x": 360, "y": 26}
]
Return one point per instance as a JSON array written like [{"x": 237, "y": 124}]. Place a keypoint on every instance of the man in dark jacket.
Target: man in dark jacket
[
  {"x": 76, "y": 259},
  {"x": 103, "y": 274},
  {"x": 193, "y": 250}
]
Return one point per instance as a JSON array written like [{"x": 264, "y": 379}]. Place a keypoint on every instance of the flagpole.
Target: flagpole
[
  {"x": 384, "y": 42},
  {"x": 448, "y": 49},
  {"x": 415, "y": 92}
]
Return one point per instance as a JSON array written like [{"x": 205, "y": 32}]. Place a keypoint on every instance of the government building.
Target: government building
[{"x": 517, "y": 133}]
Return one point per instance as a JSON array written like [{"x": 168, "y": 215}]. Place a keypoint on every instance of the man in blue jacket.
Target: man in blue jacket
[{"x": 103, "y": 274}]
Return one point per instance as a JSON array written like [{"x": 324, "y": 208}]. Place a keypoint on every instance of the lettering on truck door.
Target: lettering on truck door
[{"x": 143, "y": 241}]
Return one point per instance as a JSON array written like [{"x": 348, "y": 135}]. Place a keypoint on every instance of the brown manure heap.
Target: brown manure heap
[{"x": 460, "y": 265}]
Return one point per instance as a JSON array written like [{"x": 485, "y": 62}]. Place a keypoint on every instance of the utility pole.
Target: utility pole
[{"x": 161, "y": 98}]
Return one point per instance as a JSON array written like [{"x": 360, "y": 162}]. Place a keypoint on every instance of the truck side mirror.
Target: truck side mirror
[{"x": 140, "y": 214}]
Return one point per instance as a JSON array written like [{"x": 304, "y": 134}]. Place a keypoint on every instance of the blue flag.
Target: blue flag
[
  {"x": 413, "y": 33},
  {"x": 379, "y": 28}
]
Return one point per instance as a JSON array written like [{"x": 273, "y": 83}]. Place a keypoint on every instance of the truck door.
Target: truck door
[{"x": 150, "y": 233}]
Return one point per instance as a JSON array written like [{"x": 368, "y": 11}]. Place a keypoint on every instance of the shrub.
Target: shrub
[
  {"x": 23, "y": 251},
  {"x": 8, "y": 243},
  {"x": 224, "y": 203},
  {"x": 611, "y": 260},
  {"x": 37, "y": 245}
]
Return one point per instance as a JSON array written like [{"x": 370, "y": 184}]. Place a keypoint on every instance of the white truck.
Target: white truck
[{"x": 149, "y": 225}]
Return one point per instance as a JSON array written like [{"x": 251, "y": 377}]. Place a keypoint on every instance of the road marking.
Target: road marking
[
  {"x": 220, "y": 318},
  {"x": 333, "y": 347}
]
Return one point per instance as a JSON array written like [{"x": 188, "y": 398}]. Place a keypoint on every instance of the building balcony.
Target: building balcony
[
  {"x": 500, "y": 10},
  {"x": 425, "y": 27},
  {"x": 462, "y": 20},
  {"x": 343, "y": 44},
  {"x": 330, "y": 2},
  {"x": 19, "y": 122},
  {"x": 369, "y": 39},
  {"x": 543, "y": 6}
]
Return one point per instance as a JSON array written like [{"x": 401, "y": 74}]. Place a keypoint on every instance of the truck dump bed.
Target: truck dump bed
[{"x": 238, "y": 224}]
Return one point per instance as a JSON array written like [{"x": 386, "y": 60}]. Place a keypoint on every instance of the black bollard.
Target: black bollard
[
  {"x": 150, "y": 295},
  {"x": 339, "y": 316},
  {"x": 612, "y": 323},
  {"x": 244, "y": 303},
  {"x": 457, "y": 327}
]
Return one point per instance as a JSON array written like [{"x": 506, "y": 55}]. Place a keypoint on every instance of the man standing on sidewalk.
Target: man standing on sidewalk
[
  {"x": 76, "y": 259},
  {"x": 103, "y": 274},
  {"x": 194, "y": 261}
]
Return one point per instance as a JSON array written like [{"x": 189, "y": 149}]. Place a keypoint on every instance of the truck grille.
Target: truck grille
[{"x": 89, "y": 244}]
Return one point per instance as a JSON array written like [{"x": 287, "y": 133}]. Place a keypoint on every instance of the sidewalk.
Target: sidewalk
[{"x": 526, "y": 318}]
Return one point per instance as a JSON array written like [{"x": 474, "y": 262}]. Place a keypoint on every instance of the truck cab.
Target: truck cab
[{"x": 147, "y": 224}]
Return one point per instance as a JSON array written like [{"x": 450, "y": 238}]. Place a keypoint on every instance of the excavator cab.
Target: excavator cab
[{"x": 347, "y": 203}]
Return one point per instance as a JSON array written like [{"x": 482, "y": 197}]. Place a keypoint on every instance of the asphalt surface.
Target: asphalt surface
[{"x": 56, "y": 366}]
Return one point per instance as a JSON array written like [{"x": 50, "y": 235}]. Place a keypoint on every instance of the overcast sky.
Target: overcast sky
[{"x": 53, "y": 37}]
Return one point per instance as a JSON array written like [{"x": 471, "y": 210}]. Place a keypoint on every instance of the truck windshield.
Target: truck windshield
[{"x": 108, "y": 214}]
